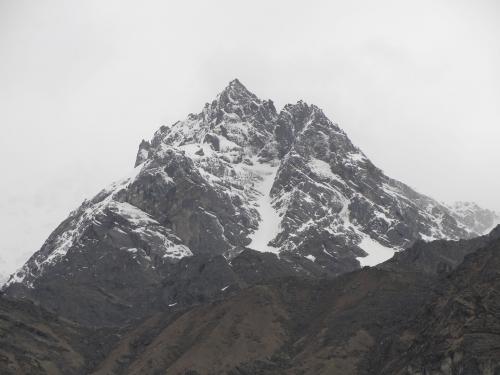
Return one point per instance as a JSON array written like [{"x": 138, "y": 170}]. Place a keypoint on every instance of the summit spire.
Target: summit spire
[{"x": 236, "y": 91}]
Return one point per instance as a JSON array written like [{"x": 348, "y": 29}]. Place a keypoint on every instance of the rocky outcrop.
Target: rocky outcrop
[{"x": 458, "y": 332}]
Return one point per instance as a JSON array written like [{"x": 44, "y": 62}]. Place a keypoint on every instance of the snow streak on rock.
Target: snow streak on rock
[{"x": 269, "y": 224}]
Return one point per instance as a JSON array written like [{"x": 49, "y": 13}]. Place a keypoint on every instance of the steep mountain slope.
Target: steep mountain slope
[
  {"x": 459, "y": 331},
  {"x": 120, "y": 288},
  {"x": 34, "y": 341},
  {"x": 392, "y": 320},
  {"x": 371, "y": 321},
  {"x": 290, "y": 326},
  {"x": 336, "y": 203},
  {"x": 238, "y": 174}
]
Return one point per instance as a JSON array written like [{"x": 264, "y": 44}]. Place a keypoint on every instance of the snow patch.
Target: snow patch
[
  {"x": 131, "y": 213},
  {"x": 311, "y": 257},
  {"x": 377, "y": 253},
  {"x": 322, "y": 168},
  {"x": 177, "y": 251},
  {"x": 427, "y": 238},
  {"x": 226, "y": 145},
  {"x": 356, "y": 156},
  {"x": 193, "y": 150}
]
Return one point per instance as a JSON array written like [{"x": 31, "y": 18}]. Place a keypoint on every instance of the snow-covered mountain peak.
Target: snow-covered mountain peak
[
  {"x": 480, "y": 220},
  {"x": 237, "y": 104},
  {"x": 239, "y": 174},
  {"x": 236, "y": 124}
]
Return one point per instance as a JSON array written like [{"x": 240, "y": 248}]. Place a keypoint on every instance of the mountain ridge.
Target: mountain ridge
[{"x": 205, "y": 184}]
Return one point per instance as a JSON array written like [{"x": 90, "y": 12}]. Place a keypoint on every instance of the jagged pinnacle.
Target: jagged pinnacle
[{"x": 237, "y": 90}]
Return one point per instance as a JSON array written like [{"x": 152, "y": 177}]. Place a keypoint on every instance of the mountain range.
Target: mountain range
[{"x": 238, "y": 245}]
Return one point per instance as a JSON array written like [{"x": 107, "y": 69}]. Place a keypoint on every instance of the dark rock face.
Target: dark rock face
[
  {"x": 387, "y": 320},
  {"x": 370, "y": 321},
  {"x": 236, "y": 175},
  {"x": 437, "y": 257},
  {"x": 143, "y": 153},
  {"x": 118, "y": 290},
  {"x": 288, "y": 326},
  {"x": 458, "y": 332}
]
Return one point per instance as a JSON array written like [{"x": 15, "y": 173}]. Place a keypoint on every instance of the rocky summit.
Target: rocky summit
[{"x": 289, "y": 185}]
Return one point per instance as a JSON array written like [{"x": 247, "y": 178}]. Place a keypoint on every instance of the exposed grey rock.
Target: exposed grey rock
[{"x": 142, "y": 153}]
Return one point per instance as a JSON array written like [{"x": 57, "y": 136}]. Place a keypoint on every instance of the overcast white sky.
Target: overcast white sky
[{"x": 415, "y": 84}]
